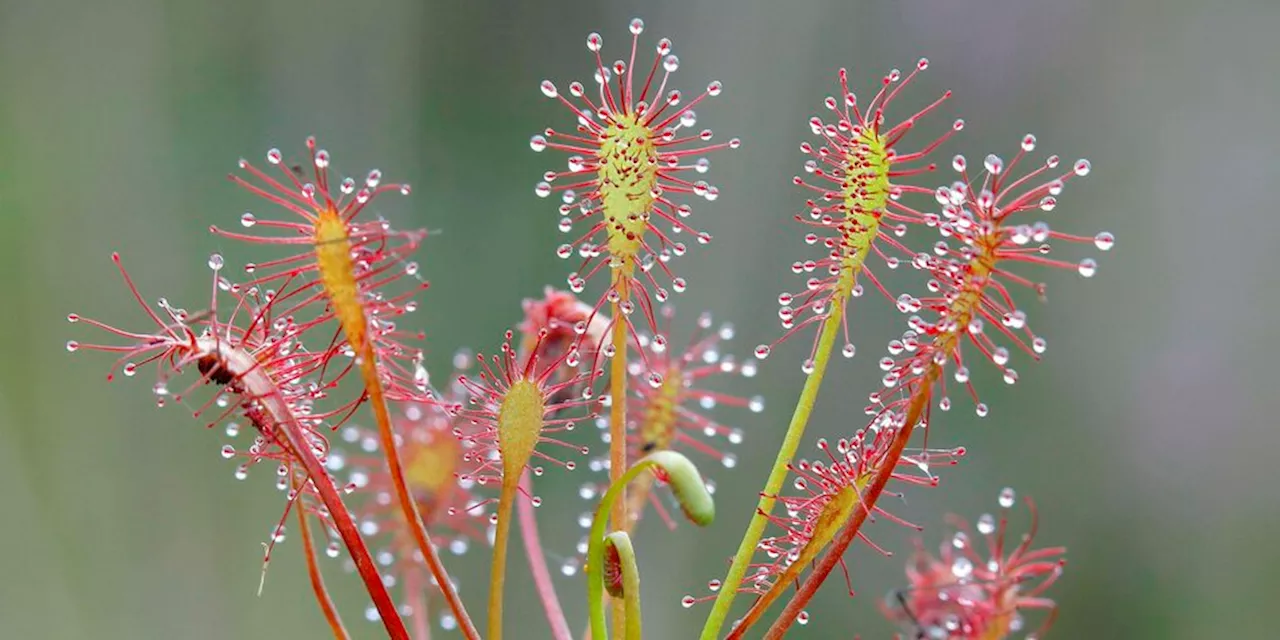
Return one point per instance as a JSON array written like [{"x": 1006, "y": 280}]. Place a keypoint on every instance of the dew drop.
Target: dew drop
[
  {"x": 1082, "y": 167},
  {"x": 1104, "y": 241},
  {"x": 542, "y": 189},
  {"x": 849, "y": 350},
  {"x": 986, "y": 524},
  {"x": 248, "y": 219},
  {"x": 569, "y": 568},
  {"x": 1000, "y": 356},
  {"x": 802, "y": 618},
  {"x": 637, "y": 25},
  {"x": 993, "y": 164},
  {"x": 981, "y": 410},
  {"x": 72, "y": 345},
  {"x": 549, "y": 89},
  {"x": 687, "y": 601},
  {"x": 714, "y": 88},
  {"x": 1088, "y": 267},
  {"x": 215, "y": 262},
  {"x": 228, "y": 451},
  {"x": 538, "y": 143},
  {"x": 1007, "y": 496}
]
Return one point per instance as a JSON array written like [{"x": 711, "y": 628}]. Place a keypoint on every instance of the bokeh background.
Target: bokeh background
[{"x": 1148, "y": 434}]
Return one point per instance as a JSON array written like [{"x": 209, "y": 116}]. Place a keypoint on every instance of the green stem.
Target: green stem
[
  {"x": 790, "y": 443},
  {"x": 498, "y": 570},
  {"x": 618, "y": 418}
]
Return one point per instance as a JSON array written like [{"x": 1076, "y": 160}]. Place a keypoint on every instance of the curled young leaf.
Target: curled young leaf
[
  {"x": 686, "y": 484},
  {"x": 622, "y": 578},
  {"x": 689, "y": 489}
]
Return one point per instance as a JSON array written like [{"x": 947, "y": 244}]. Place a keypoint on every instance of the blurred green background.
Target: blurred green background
[{"x": 1147, "y": 435}]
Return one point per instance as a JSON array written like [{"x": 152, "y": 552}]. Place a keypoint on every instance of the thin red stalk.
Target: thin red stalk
[
  {"x": 921, "y": 396},
  {"x": 538, "y": 563},
  {"x": 420, "y": 618},
  {"x": 408, "y": 506},
  {"x": 317, "y": 580},
  {"x": 347, "y": 531}
]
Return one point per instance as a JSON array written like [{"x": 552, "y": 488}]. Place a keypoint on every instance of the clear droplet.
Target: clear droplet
[
  {"x": 1088, "y": 267},
  {"x": 986, "y": 524},
  {"x": 1007, "y": 496}
]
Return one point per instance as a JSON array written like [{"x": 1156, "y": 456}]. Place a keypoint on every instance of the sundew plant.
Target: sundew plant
[{"x": 308, "y": 360}]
